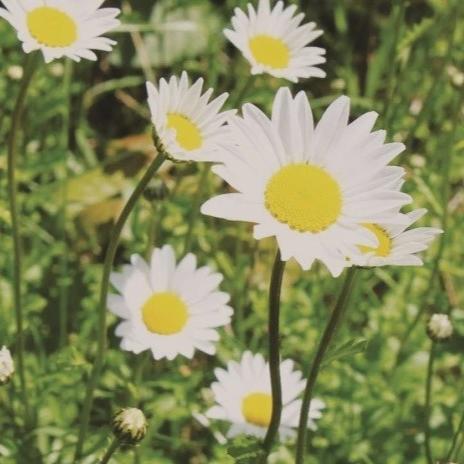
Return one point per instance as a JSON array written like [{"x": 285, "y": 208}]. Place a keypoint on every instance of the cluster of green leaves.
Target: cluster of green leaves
[{"x": 86, "y": 139}]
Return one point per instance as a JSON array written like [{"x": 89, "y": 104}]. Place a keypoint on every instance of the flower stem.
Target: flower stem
[
  {"x": 64, "y": 259},
  {"x": 455, "y": 439},
  {"x": 110, "y": 451},
  {"x": 324, "y": 343},
  {"x": 109, "y": 258},
  {"x": 195, "y": 207},
  {"x": 274, "y": 353},
  {"x": 29, "y": 68},
  {"x": 428, "y": 404}
]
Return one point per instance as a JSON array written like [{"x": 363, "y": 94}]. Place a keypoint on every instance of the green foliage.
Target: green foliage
[{"x": 402, "y": 59}]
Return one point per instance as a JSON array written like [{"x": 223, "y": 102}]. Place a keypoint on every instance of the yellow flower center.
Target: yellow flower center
[
  {"x": 164, "y": 313},
  {"x": 52, "y": 27},
  {"x": 384, "y": 247},
  {"x": 257, "y": 408},
  {"x": 270, "y": 51},
  {"x": 187, "y": 133},
  {"x": 304, "y": 196}
]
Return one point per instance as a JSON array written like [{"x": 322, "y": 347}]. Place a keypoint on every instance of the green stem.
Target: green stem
[
  {"x": 110, "y": 451},
  {"x": 195, "y": 208},
  {"x": 455, "y": 438},
  {"x": 29, "y": 68},
  {"x": 428, "y": 404},
  {"x": 315, "y": 365},
  {"x": 64, "y": 263},
  {"x": 274, "y": 353},
  {"x": 109, "y": 258}
]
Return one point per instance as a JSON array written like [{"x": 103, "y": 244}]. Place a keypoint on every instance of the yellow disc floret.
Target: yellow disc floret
[
  {"x": 188, "y": 135},
  {"x": 257, "y": 408},
  {"x": 164, "y": 313},
  {"x": 304, "y": 196},
  {"x": 384, "y": 247},
  {"x": 270, "y": 51},
  {"x": 52, "y": 27}
]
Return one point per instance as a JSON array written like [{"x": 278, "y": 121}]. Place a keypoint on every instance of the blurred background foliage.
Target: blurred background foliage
[{"x": 87, "y": 139}]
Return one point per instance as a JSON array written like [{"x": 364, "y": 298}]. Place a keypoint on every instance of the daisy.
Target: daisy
[
  {"x": 61, "y": 27},
  {"x": 243, "y": 397},
  {"x": 167, "y": 308},
  {"x": 310, "y": 187},
  {"x": 275, "y": 42},
  {"x": 190, "y": 126},
  {"x": 396, "y": 245}
]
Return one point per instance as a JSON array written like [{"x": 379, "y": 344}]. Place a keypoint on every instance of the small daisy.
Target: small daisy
[
  {"x": 190, "y": 126},
  {"x": 167, "y": 308},
  {"x": 309, "y": 187},
  {"x": 396, "y": 245},
  {"x": 275, "y": 42},
  {"x": 6, "y": 365},
  {"x": 243, "y": 397},
  {"x": 61, "y": 27}
]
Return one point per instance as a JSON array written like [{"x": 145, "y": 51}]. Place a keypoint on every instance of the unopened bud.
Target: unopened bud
[
  {"x": 130, "y": 425},
  {"x": 6, "y": 365},
  {"x": 439, "y": 327}
]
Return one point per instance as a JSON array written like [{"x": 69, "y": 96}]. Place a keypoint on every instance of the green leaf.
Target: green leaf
[
  {"x": 245, "y": 450},
  {"x": 349, "y": 348}
]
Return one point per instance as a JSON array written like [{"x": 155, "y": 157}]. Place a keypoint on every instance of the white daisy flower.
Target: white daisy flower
[
  {"x": 167, "y": 308},
  {"x": 191, "y": 127},
  {"x": 61, "y": 27},
  {"x": 396, "y": 245},
  {"x": 309, "y": 187},
  {"x": 6, "y": 365},
  {"x": 243, "y": 397},
  {"x": 275, "y": 42}
]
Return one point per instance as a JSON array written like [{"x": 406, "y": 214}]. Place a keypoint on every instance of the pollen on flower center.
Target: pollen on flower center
[
  {"x": 257, "y": 408},
  {"x": 164, "y": 313},
  {"x": 52, "y": 27},
  {"x": 270, "y": 51},
  {"x": 304, "y": 196},
  {"x": 384, "y": 247},
  {"x": 188, "y": 134}
]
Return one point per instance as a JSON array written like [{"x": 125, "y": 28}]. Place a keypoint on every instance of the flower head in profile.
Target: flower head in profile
[
  {"x": 6, "y": 365},
  {"x": 439, "y": 327},
  {"x": 310, "y": 187},
  {"x": 130, "y": 425},
  {"x": 61, "y": 28},
  {"x": 275, "y": 42},
  {"x": 397, "y": 244},
  {"x": 168, "y": 308},
  {"x": 191, "y": 127},
  {"x": 243, "y": 397}
]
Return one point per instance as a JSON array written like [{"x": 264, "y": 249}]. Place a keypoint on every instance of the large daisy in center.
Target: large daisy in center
[
  {"x": 310, "y": 187},
  {"x": 167, "y": 308}
]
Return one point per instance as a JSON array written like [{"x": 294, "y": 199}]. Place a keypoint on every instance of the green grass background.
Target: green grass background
[{"x": 402, "y": 59}]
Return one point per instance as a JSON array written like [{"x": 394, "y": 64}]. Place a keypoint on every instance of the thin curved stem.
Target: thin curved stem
[
  {"x": 109, "y": 258},
  {"x": 110, "y": 451},
  {"x": 428, "y": 404},
  {"x": 274, "y": 352},
  {"x": 29, "y": 68},
  {"x": 195, "y": 207},
  {"x": 454, "y": 443},
  {"x": 314, "y": 367}
]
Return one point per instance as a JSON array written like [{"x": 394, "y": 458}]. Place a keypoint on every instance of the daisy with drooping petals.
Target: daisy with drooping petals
[
  {"x": 61, "y": 27},
  {"x": 167, "y": 308},
  {"x": 396, "y": 245},
  {"x": 190, "y": 126},
  {"x": 310, "y": 187},
  {"x": 243, "y": 397},
  {"x": 275, "y": 42}
]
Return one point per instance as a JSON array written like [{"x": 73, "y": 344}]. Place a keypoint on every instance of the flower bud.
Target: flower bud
[
  {"x": 130, "y": 425},
  {"x": 156, "y": 190},
  {"x": 439, "y": 327},
  {"x": 6, "y": 365}
]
